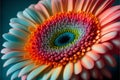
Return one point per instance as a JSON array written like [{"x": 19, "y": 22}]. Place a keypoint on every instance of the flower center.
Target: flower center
[{"x": 62, "y": 38}]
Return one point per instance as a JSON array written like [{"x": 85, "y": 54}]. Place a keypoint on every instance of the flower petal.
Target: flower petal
[
  {"x": 11, "y": 61},
  {"x": 110, "y": 60},
  {"x": 87, "y": 62},
  {"x": 106, "y": 4},
  {"x": 100, "y": 64},
  {"x": 68, "y": 71},
  {"x": 77, "y": 67},
  {"x": 106, "y": 73},
  {"x": 12, "y": 38},
  {"x": 108, "y": 45},
  {"x": 56, "y": 6},
  {"x": 110, "y": 28},
  {"x": 12, "y": 54},
  {"x": 107, "y": 12},
  {"x": 109, "y": 36},
  {"x": 12, "y": 45},
  {"x": 47, "y": 4},
  {"x": 19, "y": 33},
  {"x": 99, "y": 48},
  {"x": 15, "y": 75},
  {"x": 78, "y": 5},
  {"x": 95, "y": 73},
  {"x": 42, "y": 11},
  {"x": 114, "y": 16},
  {"x": 93, "y": 55},
  {"x": 85, "y": 75},
  {"x": 17, "y": 66},
  {"x": 56, "y": 73},
  {"x": 47, "y": 75},
  {"x": 36, "y": 72},
  {"x": 70, "y": 5},
  {"x": 26, "y": 70}
]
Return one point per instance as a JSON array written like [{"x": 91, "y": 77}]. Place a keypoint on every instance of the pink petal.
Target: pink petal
[
  {"x": 70, "y": 5},
  {"x": 77, "y": 67},
  {"x": 87, "y": 62},
  {"x": 100, "y": 64},
  {"x": 104, "y": 6},
  {"x": 109, "y": 36},
  {"x": 5, "y": 50},
  {"x": 44, "y": 13},
  {"x": 56, "y": 6},
  {"x": 78, "y": 5},
  {"x": 110, "y": 60},
  {"x": 114, "y": 16},
  {"x": 64, "y": 6},
  {"x": 108, "y": 45},
  {"x": 107, "y": 12},
  {"x": 24, "y": 77},
  {"x": 93, "y": 55},
  {"x": 99, "y": 48},
  {"x": 116, "y": 42},
  {"x": 111, "y": 27}
]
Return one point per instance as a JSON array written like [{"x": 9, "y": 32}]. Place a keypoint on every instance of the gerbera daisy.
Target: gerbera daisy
[{"x": 63, "y": 40}]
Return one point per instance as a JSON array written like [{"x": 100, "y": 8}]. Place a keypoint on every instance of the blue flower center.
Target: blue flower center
[{"x": 64, "y": 39}]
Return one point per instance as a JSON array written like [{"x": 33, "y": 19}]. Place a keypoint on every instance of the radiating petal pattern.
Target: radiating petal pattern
[{"x": 63, "y": 40}]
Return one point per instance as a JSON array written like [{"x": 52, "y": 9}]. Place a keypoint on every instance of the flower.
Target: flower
[{"x": 63, "y": 40}]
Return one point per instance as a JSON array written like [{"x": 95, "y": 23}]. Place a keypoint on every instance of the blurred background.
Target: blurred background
[{"x": 9, "y": 9}]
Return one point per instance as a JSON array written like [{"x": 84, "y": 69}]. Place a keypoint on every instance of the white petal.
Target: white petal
[
  {"x": 12, "y": 38},
  {"x": 15, "y": 75},
  {"x": 77, "y": 67},
  {"x": 87, "y": 62},
  {"x": 26, "y": 70},
  {"x": 36, "y": 72},
  {"x": 11, "y": 61},
  {"x": 17, "y": 66},
  {"x": 47, "y": 75},
  {"x": 12, "y": 45},
  {"x": 56, "y": 73},
  {"x": 68, "y": 71},
  {"x": 12, "y": 54}
]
